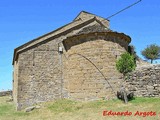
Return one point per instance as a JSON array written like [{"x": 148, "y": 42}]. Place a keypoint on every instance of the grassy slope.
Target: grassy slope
[{"x": 71, "y": 110}]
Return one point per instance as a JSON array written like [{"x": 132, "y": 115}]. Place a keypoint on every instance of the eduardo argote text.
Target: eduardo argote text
[{"x": 128, "y": 113}]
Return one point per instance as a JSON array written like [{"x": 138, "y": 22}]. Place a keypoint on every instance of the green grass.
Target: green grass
[
  {"x": 72, "y": 110},
  {"x": 63, "y": 106}
]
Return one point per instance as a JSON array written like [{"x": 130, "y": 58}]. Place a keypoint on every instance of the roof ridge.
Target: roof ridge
[{"x": 90, "y": 14}]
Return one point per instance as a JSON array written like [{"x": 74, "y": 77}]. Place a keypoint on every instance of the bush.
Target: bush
[{"x": 125, "y": 63}]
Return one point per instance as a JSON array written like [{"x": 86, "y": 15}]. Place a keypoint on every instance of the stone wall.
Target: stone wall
[
  {"x": 89, "y": 64},
  {"x": 145, "y": 81},
  {"x": 15, "y": 82},
  {"x": 38, "y": 74},
  {"x": 5, "y": 93}
]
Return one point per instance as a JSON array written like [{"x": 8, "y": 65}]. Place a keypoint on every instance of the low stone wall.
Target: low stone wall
[
  {"x": 5, "y": 93},
  {"x": 145, "y": 81}
]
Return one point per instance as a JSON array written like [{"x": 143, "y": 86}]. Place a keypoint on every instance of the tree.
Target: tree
[
  {"x": 152, "y": 52},
  {"x": 125, "y": 63}
]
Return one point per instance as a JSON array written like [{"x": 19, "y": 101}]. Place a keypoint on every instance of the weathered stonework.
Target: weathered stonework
[
  {"x": 145, "y": 81},
  {"x": 81, "y": 72},
  {"x": 90, "y": 65}
]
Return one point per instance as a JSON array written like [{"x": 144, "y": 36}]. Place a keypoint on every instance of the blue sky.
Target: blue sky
[{"x": 24, "y": 20}]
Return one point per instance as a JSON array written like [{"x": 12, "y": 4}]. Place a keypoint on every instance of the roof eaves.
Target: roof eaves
[{"x": 127, "y": 37}]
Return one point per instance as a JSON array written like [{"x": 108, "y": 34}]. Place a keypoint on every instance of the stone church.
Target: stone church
[{"x": 75, "y": 61}]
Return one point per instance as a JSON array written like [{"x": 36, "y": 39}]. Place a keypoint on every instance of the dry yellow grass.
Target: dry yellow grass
[{"x": 71, "y": 110}]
